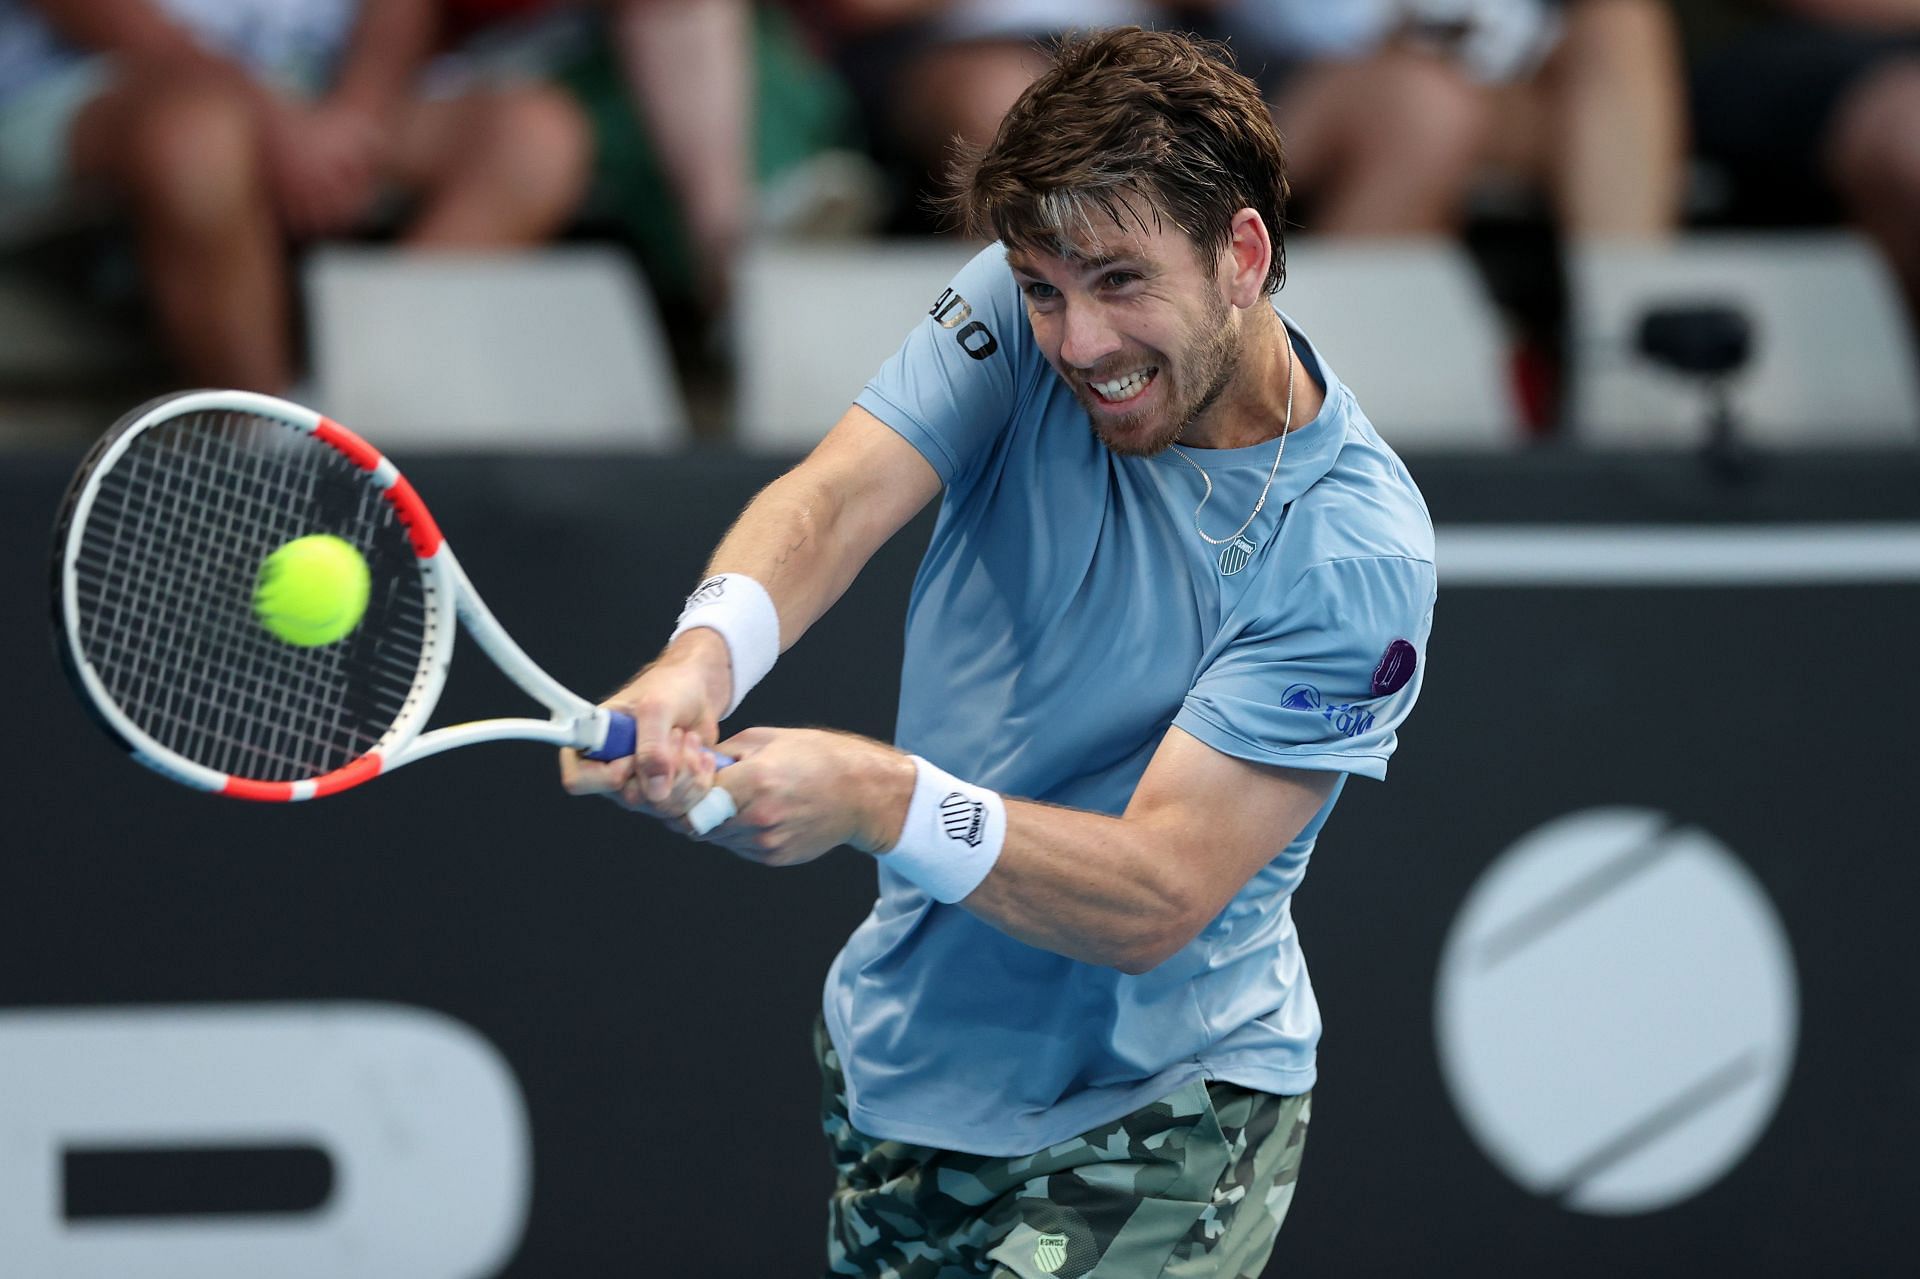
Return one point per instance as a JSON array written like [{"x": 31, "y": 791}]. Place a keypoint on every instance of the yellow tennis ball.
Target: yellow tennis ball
[{"x": 312, "y": 591}]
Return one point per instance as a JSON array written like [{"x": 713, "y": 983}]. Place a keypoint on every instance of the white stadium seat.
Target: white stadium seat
[
  {"x": 549, "y": 349},
  {"x": 814, "y": 322},
  {"x": 1407, "y": 325},
  {"x": 1832, "y": 360}
]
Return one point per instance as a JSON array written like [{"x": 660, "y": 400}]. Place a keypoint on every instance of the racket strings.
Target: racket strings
[
  {"x": 193, "y": 628},
  {"x": 165, "y": 572},
  {"x": 218, "y": 636}
]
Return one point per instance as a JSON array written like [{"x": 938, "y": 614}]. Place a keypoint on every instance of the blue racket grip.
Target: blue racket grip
[
  {"x": 619, "y": 743},
  {"x": 710, "y": 810},
  {"x": 620, "y": 738}
]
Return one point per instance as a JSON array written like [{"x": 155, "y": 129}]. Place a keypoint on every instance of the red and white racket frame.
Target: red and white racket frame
[{"x": 450, "y": 597}]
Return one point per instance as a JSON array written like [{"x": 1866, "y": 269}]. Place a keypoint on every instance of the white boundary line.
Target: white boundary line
[{"x": 1678, "y": 555}]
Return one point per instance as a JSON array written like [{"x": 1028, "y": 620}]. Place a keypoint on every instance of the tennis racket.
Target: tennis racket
[{"x": 159, "y": 544}]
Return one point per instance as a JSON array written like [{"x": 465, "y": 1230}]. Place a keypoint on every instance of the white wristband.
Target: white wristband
[
  {"x": 740, "y": 609},
  {"x": 952, "y": 836}
]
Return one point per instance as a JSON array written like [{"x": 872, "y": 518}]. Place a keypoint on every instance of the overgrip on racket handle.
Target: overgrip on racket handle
[
  {"x": 712, "y": 808},
  {"x": 619, "y": 740}
]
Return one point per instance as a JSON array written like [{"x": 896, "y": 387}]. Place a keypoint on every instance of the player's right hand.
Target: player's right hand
[{"x": 675, "y": 704}]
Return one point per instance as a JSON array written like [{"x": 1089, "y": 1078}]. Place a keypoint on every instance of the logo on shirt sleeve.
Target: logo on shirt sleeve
[
  {"x": 953, "y": 312},
  {"x": 1301, "y": 697},
  {"x": 1349, "y": 719},
  {"x": 1395, "y": 669},
  {"x": 963, "y": 819}
]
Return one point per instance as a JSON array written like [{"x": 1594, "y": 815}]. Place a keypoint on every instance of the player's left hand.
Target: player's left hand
[{"x": 799, "y": 792}]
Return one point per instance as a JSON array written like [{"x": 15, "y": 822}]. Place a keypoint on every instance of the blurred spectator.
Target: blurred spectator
[
  {"x": 1810, "y": 109},
  {"x": 685, "y": 72},
  {"x": 689, "y": 67},
  {"x": 1394, "y": 110},
  {"x": 226, "y": 129},
  {"x": 928, "y": 72},
  {"x": 712, "y": 121}
]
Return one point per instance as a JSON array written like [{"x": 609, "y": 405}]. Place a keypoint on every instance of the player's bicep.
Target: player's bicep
[
  {"x": 874, "y": 479},
  {"x": 1220, "y": 816}
]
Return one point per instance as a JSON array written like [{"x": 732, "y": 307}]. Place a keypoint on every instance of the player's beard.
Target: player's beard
[{"x": 1212, "y": 363}]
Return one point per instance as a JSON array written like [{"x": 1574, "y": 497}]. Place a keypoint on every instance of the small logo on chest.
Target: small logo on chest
[{"x": 1236, "y": 555}]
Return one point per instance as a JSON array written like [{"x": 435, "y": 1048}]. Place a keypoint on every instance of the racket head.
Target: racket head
[{"x": 156, "y": 554}]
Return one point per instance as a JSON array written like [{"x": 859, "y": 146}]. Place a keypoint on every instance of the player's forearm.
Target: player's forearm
[
  {"x": 794, "y": 540},
  {"x": 1119, "y": 892},
  {"x": 1103, "y": 890},
  {"x": 810, "y": 532},
  {"x": 1126, "y": 892},
  {"x": 804, "y": 539}
]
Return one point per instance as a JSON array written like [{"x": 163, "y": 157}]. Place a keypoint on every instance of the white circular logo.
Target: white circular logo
[{"x": 1616, "y": 1011}]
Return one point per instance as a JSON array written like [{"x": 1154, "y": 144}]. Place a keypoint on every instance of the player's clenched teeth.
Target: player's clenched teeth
[{"x": 1124, "y": 388}]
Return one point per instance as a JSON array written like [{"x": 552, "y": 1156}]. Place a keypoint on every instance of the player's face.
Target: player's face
[{"x": 1137, "y": 327}]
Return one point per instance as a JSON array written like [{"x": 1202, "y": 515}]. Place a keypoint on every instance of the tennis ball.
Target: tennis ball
[{"x": 312, "y": 591}]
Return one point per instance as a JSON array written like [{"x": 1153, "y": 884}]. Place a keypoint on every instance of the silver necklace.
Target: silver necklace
[{"x": 1286, "y": 429}]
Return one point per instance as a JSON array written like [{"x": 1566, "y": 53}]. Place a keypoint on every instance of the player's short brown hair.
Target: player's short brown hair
[{"x": 1138, "y": 125}]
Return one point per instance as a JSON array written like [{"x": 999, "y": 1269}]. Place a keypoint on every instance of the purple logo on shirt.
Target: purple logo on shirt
[{"x": 1395, "y": 669}]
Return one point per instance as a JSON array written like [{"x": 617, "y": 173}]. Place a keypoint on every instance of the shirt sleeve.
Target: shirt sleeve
[
  {"x": 956, "y": 382},
  {"x": 1325, "y": 680}
]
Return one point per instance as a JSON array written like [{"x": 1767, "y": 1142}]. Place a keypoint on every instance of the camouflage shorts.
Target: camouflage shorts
[{"x": 1195, "y": 1184}]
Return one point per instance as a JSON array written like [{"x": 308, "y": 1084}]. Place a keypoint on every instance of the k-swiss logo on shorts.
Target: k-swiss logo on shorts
[
  {"x": 963, "y": 819},
  {"x": 1050, "y": 1253}
]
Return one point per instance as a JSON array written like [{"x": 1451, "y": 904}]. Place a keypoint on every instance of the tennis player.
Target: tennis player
[{"x": 1178, "y": 590}]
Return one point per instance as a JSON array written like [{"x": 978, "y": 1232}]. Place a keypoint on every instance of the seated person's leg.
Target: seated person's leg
[
  {"x": 1873, "y": 154},
  {"x": 1611, "y": 100},
  {"x": 183, "y": 157},
  {"x": 1385, "y": 145},
  {"x": 493, "y": 166}
]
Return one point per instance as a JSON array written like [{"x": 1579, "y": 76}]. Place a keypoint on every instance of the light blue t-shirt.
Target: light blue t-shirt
[{"x": 1067, "y": 613}]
